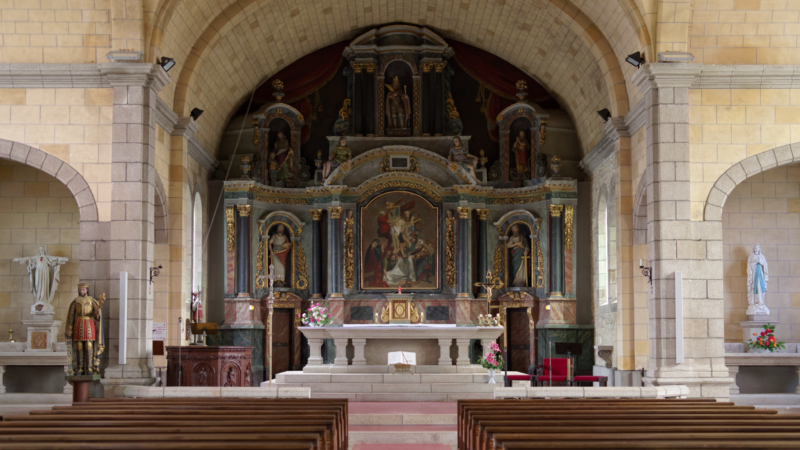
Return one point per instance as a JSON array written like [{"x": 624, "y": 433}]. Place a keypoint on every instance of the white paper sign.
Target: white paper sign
[
  {"x": 159, "y": 332},
  {"x": 403, "y": 358}
]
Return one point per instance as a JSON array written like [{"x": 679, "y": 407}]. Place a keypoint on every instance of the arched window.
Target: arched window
[
  {"x": 602, "y": 251},
  {"x": 197, "y": 246}
]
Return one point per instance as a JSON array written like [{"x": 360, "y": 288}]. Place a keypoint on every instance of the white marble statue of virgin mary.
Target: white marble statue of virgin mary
[
  {"x": 757, "y": 279},
  {"x": 42, "y": 287}
]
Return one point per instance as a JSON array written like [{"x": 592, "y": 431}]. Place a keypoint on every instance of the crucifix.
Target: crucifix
[{"x": 491, "y": 283}]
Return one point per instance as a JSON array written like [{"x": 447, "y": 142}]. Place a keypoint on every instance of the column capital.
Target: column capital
[
  {"x": 666, "y": 75},
  {"x": 335, "y": 212},
  {"x": 483, "y": 214},
  {"x": 555, "y": 210},
  {"x": 244, "y": 210},
  {"x": 135, "y": 74},
  {"x": 316, "y": 214},
  {"x": 185, "y": 126},
  {"x": 464, "y": 212}
]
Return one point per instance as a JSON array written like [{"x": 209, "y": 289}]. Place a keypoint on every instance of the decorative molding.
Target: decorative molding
[
  {"x": 613, "y": 129},
  {"x": 316, "y": 214},
  {"x": 555, "y": 210},
  {"x": 230, "y": 228},
  {"x": 201, "y": 155},
  {"x": 165, "y": 116},
  {"x": 568, "y": 209},
  {"x": 349, "y": 245},
  {"x": 464, "y": 212},
  {"x": 636, "y": 117},
  {"x": 666, "y": 75},
  {"x": 335, "y": 212},
  {"x": 52, "y": 76},
  {"x": 134, "y": 74},
  {"x": 244, "y": 210},
  {"x": 483, "y": 214},
  {"x": 450, "y": 249}
]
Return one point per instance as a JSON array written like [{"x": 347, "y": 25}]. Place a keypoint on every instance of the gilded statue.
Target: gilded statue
[
  {"x": 338, "y": 156},
  {"x": 398, "y": 106},
  {"x": 84, "y": 333}
]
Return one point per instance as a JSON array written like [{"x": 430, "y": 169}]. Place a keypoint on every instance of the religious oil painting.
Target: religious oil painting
[{"x": 400, "y": 243}]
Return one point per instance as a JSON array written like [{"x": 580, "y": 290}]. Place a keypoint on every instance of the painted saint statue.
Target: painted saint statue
[
  {"x": 280, "y": 246},
  {"x": 757, "y": 279},
  {"x": 459, "y": 155},
  {"x": 42, "y": 287},
  {"x": 337, "y": 157},
  {"x": 398, "y": 106},
  {"x": 521, "y": 151},
  {"x": 282, "y": 156},
  {"x": 519, "y": 251},
  {"x": 84, "y": 333}
]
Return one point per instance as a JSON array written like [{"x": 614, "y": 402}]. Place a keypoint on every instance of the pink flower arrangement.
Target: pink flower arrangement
[
  {"x": 316, "y": 315},
  {"x": 493, "y": 359}
]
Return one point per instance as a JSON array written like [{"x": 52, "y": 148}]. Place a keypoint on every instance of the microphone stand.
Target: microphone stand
[
  {"x": 550, "y": 357},
  {"x": 180, "y": 372}
]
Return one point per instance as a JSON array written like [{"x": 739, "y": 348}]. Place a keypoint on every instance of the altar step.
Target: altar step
[
  {"x": 395, "y": 387},
  {"x": 783, "y": 403}
]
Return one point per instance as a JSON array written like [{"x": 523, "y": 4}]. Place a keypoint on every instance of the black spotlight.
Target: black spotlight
[
  {"x": 197, "y": 112},
  {"x": 605, "y": 114},
  {"x": 635, "y": 59},
  {"x": 167, "y": 63}
]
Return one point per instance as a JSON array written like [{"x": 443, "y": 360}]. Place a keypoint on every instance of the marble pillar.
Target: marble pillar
[
  {"x": 358, "y": 352},
  {"x": 315, "y": 352},
  {"x": 341, "y": 352},
  {"x": 316, "y": 253},
  {"x": 463, "y": 267},
  {"x": 556, "y": 251},
  {"x": 243, "y": 250},
  {"x": 483, "y": 243},
  {"x": 463, "y": 352},
  {"x": 335, "y": 254},
  {"x": 444, "y": 352}
]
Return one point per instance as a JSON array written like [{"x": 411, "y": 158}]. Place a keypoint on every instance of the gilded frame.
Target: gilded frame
[{"x": 437, "y": 210}]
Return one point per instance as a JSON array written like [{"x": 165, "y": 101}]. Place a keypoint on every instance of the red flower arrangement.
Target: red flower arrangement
[{"x": 766, "y": 340}]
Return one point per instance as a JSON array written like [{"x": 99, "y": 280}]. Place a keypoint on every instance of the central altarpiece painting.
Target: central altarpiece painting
[{"x": 399, "y": 161}]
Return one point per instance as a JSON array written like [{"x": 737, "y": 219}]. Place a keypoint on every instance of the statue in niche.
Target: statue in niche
[
  {"x": 521, "y": 149},
  {"x": 757, "y": 279},
  {"x": 281, "y": 157},
  {"x": 398, "y": 106},
  {"x": 280, "y": 246},
  {"x": 42, "y": 287},
  {"x": 519, "y": 256},
  {"x": 459, "y": 155},
  {"x": 339, "y": 156}
]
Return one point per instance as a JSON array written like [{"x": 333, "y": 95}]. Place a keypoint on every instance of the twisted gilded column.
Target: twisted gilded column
[
  {"x": 316, "y": 252},
  {"x": 556, "y": 251},
  {"x": 243, "y": 250}
]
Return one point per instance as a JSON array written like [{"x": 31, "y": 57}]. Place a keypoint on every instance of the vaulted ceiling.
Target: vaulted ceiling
[{"x": 224, "y": 49}]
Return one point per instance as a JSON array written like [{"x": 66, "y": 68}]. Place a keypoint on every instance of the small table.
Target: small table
[{"x": 210, "y": 366}]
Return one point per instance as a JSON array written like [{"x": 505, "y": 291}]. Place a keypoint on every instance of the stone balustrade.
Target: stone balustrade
[
  {"x": 677, "y": 391},
  {"x": 275, "y": 391}
]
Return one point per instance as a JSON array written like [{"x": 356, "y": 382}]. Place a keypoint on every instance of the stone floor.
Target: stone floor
[
  {"x": 402, "y": 425},
  {"x": 783, "y": 403}
]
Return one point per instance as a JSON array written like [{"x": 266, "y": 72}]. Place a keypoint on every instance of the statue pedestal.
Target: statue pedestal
[
  {"x": 754, "y": 324},
  {"x": 42, "y": 332},
  {"x": 80, "y": 386}
]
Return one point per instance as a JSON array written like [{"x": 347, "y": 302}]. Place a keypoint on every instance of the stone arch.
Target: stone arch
[
  {"x": 57, "y": 168},
  {"x": 606, "y": 76},
  {"x": 746, "y": 168}
]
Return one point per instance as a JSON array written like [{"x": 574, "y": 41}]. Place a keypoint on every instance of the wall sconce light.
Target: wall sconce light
[
  {"x": 635, "y": 59},
  {"x": 605, "y": 114},
  {"x": 196, "y": 113},
  {"x": 167, "y": 63},
  {"x": 646, "y": 271},
  {"x": 154, "y": 272}
]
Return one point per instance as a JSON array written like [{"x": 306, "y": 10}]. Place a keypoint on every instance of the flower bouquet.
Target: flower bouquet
[
  {"x": 766, "y": 341},
  {"x": 492, "y": 360},
  {"x": 316, "y": 316}
]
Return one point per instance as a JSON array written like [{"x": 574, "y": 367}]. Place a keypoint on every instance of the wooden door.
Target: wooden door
[
  {"x": 519, "y": 340},
  {"x": 282, "y": 319}
]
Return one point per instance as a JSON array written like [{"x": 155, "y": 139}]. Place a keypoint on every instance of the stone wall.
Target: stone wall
[
  {"x": 604, "y": 306},
  {"x": 36, "y": 210},
  {"x": 764, "y": 209}
]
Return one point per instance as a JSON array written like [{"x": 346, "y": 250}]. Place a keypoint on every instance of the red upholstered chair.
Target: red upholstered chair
[
  {"x": 590, "y": 379},
  {"x": 530, "y": 376},
  {"x": 551, "y": 370}
]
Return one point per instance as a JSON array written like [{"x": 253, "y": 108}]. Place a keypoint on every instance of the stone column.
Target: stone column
[
  {"x": 341, "y": 352},
  {"x": 132, "y": 233},
  {"x": 556, "y": 251},
  {"x": 335, "y": 254},
  {"x": 358, "y": 352},
  {"x": 438, "y": 99},
  {"x": 316, "y": 253},
  {"x": 734, "y": 388},
  {"x": 243, "y": 251},
  {"x": 358, "y": 98},
  {"x": 463, "y": 267},
  {"x": 315, "y": 352},
  {"x": 483, "y": 242},
  {"x": 444, "y": 352},
  {"x": 463, "y": 352},
  {"x": 675, "y": 243}
]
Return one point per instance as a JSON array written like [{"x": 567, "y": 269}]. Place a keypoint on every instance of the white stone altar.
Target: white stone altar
[
  {"x": 446, "y": 347},
  {"x": 360, "y": 371}
]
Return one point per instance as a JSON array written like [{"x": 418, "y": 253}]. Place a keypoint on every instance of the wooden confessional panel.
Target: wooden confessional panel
[
  {"x": 519, "y": 340},
  {"x": 282, "y": 319}
]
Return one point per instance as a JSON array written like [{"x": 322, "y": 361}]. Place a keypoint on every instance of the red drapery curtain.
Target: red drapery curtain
[
  {"x": 499, "y": 78},
  {"x": 302, "y": 79}
]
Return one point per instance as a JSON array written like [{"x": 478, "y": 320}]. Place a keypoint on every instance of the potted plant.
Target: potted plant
[
  {"x": 316, "y": 316},
  {"x": 492, "y": 360},
  {"x": 766, "y": 341}
]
